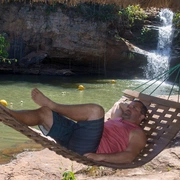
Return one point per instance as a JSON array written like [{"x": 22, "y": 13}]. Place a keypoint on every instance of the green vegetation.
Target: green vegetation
[
  {"x": 130, "y": 14},
  {"x": 51, "y": 8},
  {"x": 176, "y": 20},
  {"x": 145, "y": 34},
  {"x": 97, "y": 12},
  {"x": 68, "y": 175},
  {"x": 110, "y": 12},
  {"x": 131, "y": 55},
  {"x": 4, "y": 45},
  {"x": 89, "y": 11}
]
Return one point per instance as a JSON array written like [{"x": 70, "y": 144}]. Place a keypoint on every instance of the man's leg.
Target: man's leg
[
  {"x": 42, "y": 116},
  {"x": 80, "y": 112},
  {"x": 84, "y": 136}
]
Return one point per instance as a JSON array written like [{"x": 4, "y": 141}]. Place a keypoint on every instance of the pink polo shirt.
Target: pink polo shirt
[{"x": 115, "y": 136}]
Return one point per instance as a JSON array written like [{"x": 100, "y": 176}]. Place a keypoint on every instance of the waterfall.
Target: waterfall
[{"x": 158, "y": 60}]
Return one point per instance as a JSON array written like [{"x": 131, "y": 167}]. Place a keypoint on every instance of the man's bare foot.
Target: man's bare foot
[{"x": 39, "y": 98}]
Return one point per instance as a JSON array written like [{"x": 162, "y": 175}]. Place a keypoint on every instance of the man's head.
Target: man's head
[{"x": 136, "y": 111}]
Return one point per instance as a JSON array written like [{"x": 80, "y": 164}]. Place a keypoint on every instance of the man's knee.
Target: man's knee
[
  {"x": 97, "y": 112},
  {"x": 46, "y": 117}
]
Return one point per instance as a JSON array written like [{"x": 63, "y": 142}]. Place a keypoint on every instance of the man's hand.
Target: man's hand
[
  {"x": 118, "y": 109},
  {"x": 121, "y": 157},
  {"x": 94, "y": 156}
]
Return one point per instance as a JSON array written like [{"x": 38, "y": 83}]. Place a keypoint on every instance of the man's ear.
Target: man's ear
[{"x": 142, "y": 116}]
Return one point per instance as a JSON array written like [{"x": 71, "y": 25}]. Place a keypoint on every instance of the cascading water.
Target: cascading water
[{"x": 158, "y": 60}]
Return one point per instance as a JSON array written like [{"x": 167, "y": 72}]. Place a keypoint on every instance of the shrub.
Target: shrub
[
  {"x": 176, "y": 20},
  {"x": 130, "y": 14},
  {"x": 69, "y": 175},
  {"x": 4, "y": 45},
  {"x": 97, "y": 12}
]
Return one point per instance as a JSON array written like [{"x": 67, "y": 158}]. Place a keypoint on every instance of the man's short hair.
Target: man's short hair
[{"x": 144, "y": 109}]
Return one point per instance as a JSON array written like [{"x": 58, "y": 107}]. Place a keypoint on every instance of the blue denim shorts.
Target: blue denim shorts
[{"x": 81, "y": 137}]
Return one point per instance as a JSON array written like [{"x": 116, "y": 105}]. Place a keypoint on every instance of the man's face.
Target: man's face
[{"x": 133, "y": 113}]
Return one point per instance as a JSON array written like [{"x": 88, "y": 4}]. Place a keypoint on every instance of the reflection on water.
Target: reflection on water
[{"x": 16, "y": 89}]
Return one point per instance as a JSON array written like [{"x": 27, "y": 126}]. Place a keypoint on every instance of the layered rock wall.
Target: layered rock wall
[{"x": 40, "y": 34}]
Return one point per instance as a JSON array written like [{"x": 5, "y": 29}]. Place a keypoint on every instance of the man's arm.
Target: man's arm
[
  {"x": 118, "y": 109},
  {"x": 136, "y": 144}
]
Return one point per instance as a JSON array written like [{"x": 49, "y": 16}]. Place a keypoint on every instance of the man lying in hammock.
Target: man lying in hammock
[{"x": 118, "y": 140}]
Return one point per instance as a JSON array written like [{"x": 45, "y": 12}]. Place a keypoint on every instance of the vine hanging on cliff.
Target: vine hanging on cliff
[{"x": 4, "y": 45}]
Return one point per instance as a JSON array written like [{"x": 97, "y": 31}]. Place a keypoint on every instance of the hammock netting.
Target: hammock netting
[{"x": 161, "y": 126}]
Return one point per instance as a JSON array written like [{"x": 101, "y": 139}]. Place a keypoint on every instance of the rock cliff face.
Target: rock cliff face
[{"x": 39, "y": 35}]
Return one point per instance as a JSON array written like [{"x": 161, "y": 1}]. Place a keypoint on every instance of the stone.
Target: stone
[
  {"x": 32, "y": 58},
  {"x": 46, "y": 164}
]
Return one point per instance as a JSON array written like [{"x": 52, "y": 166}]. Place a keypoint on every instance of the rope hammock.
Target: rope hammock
[{"x": 161, "y": 126}]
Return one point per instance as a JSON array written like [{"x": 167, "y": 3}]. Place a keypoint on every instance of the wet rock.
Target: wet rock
[{"x": 32, "y": 58}]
